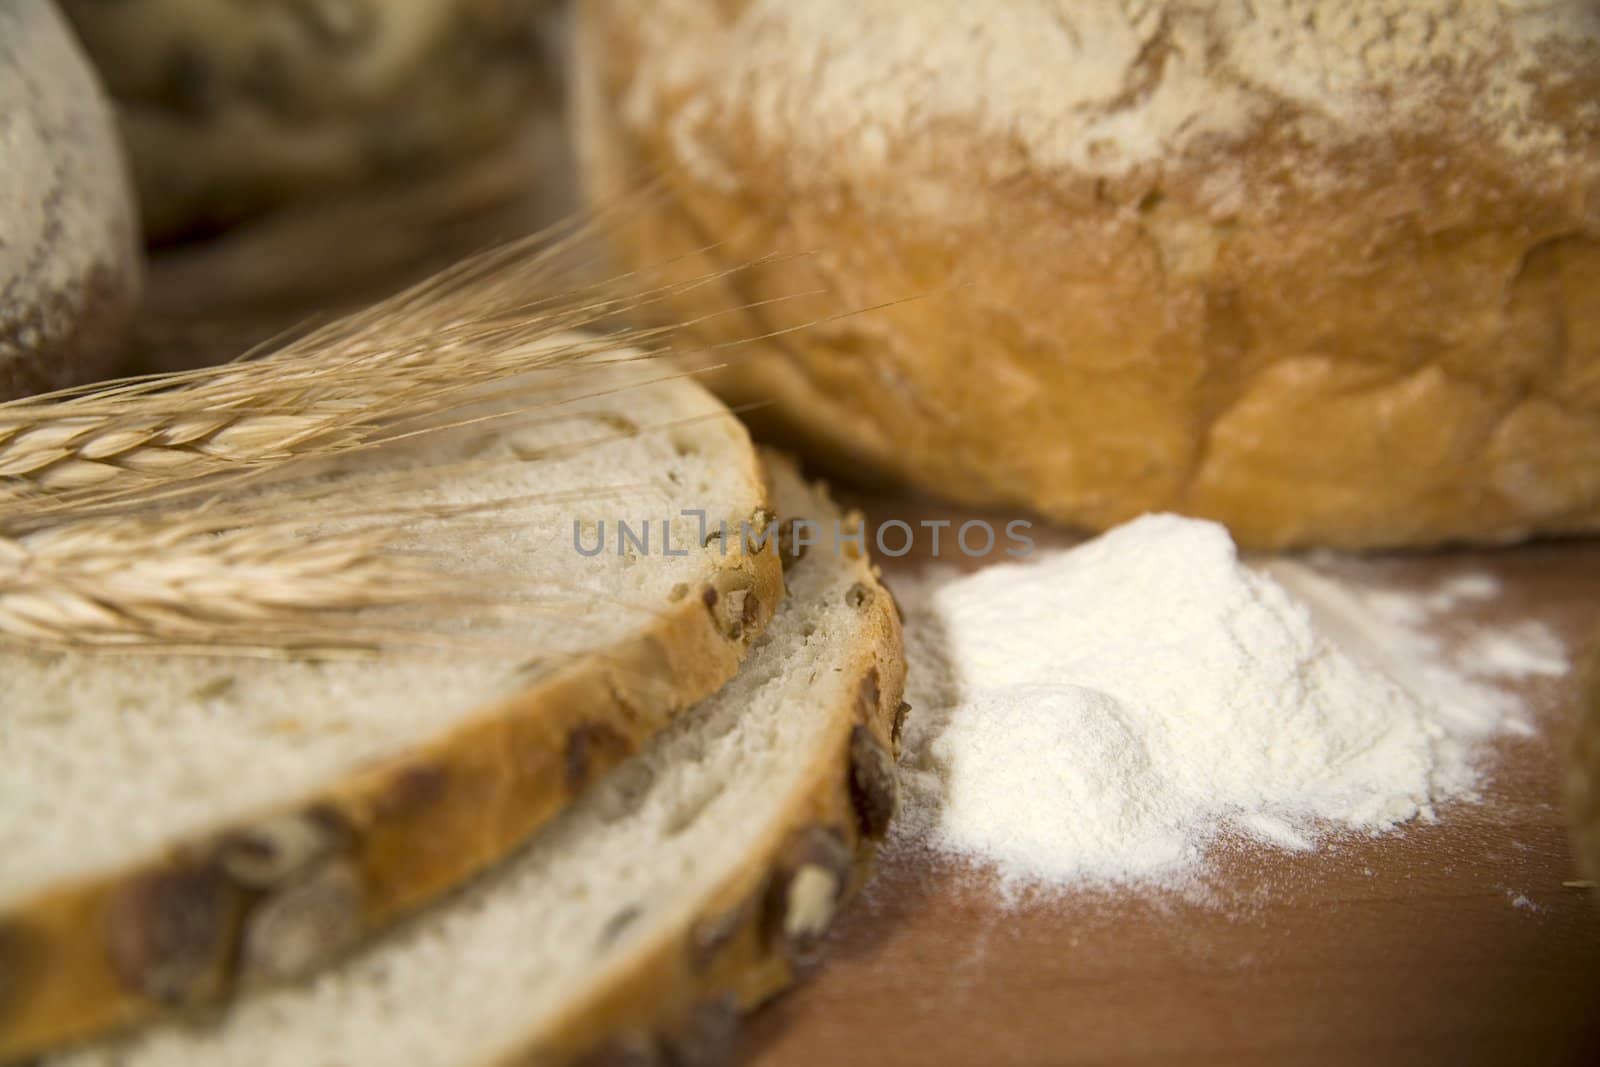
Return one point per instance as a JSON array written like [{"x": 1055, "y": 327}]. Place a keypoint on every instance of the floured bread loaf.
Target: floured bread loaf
[
  {"x": 679, "y": 890},
  {"x": 233, "y": 106},
  {"x": 174, "y": 826},
  {"x": 1327, "y": 271},
  {"x": 69, "y": 267}
]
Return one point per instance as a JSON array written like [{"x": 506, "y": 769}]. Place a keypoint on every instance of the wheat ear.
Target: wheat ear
[
  {"x": 112, "y": 532},
  {"x": 355, "y": 383},
  {"x": 119, "y": 583}
]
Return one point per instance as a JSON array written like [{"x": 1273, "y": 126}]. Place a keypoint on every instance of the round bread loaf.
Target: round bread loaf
[
  {"x": 233, "y": 106},
  {"x": 69, "y": 267},
  {"x": 1325, "y": 270}
]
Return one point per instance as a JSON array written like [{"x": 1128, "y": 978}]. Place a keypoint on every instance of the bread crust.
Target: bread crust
[
  {"x": 679, "y": 998},
  {"x": 69, "y": 257},
  {"x": 77, "y": 334},
  {"x": 177, "y": 930},
  {"x": 1366, "y": 339}
]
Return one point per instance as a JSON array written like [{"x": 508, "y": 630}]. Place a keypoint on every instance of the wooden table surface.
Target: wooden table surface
[{"x": 1451, "y": 943}]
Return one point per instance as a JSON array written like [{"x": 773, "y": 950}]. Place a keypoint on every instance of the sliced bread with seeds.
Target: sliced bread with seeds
[
  {"x": 674, "y": 895},
  {"x": 172, "y": 827}
]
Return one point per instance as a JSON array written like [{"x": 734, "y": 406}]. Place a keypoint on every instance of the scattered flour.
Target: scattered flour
[
  {"x": 1521, "y": 902},
  {"x": 1529, "y": 648},
  {"x": 1108, "y": 714},
  {"x": 1402, "y": 633}
]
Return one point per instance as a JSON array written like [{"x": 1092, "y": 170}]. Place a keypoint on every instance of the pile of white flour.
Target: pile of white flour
[{"x": 1106, "y": 714}]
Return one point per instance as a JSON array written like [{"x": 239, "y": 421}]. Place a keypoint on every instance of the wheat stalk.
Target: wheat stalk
[
  {"x": 317, "y": 570},
  {"x": 359, "y": 382},
  {"x": 120, "y": 583},
  {"x": 77, "y": 451},
  {"x": 120, "y": 529}
]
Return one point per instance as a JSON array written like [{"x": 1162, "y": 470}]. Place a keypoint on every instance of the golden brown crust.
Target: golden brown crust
[
  {"x": 1408, "y": 355},
  {"x": 112, "y": 950},
  {"x": 77, "y": 334},
  {"x": 678, "y": 1000},
  {"x": 1583, "y": 772}
]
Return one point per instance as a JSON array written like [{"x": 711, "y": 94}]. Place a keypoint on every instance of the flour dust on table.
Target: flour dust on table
[{"x": 1110, "y": 714}]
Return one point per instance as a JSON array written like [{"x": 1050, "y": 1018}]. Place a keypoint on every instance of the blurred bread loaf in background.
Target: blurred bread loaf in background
[
  {"x": 69, "y": 254},
  {"x": 300, "y": 158},
  {"x": 232, "y": 107},
  {"x": 1326, "y": 271}
]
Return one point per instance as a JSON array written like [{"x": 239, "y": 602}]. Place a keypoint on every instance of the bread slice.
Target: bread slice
[
  {"x": 677, "y": 891},
  {"x": 170, "y": 827}
]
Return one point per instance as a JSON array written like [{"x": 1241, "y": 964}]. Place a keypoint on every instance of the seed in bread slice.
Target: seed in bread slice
[
  {"x": 677, "y": 892},
  {"x": 170, "y": 827}
]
